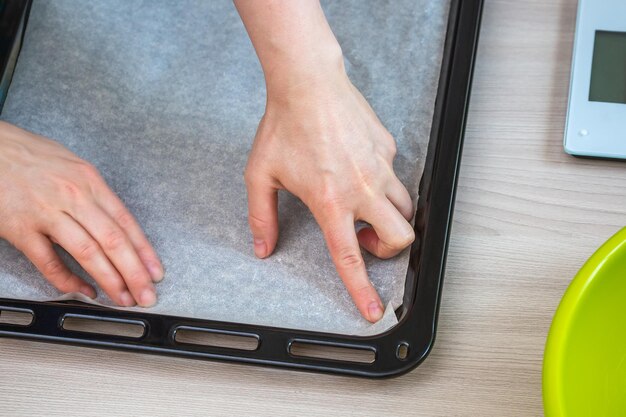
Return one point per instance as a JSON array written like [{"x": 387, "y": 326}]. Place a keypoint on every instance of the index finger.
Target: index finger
[{"x": 344, "y": 249}]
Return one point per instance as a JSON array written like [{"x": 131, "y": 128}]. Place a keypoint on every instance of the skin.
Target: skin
[
  {"x": 49, "y": 195},
  {"x": 319, "y": 139}
]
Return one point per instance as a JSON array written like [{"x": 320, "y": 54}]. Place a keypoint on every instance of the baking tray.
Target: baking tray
[{"x": 393, "y": 352}]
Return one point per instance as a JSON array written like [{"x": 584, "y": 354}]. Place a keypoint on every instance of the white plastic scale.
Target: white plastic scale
[{"x": 596, "y": 117}]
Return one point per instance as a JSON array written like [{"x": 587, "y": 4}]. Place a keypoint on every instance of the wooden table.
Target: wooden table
[{"x": 527, "y": 217}]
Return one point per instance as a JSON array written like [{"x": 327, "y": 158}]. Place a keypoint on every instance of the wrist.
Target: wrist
[
  {"x": 294, "y": 77},
  {"x": 294, "y": 43}
]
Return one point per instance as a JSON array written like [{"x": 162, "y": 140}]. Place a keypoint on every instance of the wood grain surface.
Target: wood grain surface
[{"x": 527, "y": 217}]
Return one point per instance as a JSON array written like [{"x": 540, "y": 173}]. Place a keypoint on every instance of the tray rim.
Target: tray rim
[{"x": 418, "y": 314}]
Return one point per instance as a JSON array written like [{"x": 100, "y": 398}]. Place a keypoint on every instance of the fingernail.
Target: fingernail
[
  {"x": 148, "y": 297},
  {"x": 375, "y": 310},
  {"x": 88, "y": 291},
  {"x": 127, "y": 299},
  {"x": 156, "y": 271},
  {"x": 260, "y": 248}
]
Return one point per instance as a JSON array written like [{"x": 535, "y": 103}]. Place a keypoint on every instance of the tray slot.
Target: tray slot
[
  {"x": 378, "y": 356},
  {"x": 100, "y": 325},
  {"x": 402, "y": 351},
  {"x": 216, "y": 338},
  {"x": 16, "y": 317},
  {"x": 333, "y": 352}
]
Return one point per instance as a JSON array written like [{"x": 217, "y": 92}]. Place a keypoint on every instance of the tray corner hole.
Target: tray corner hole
[
  {"x": 332, "y": 352},
  {"x": 16, "y": 317},
  {"x": 216, "y": 338},
  {"x": 402, "y": 351},
  {"x": 104, "y": 326}
]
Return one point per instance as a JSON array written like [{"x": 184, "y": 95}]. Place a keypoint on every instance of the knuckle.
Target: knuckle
[
  {"x": 404, "y": 240},
  {"x": 407, "y": 210},
  {"x": 88, "y": 170},
  {"x": 124, "y": 219},
  {"x": 386, "y": 250},
  {"x": 248, "y": 175},
  {"x": 64, "y": 284},
  {"x": 251, "y": 174},
  {"x": 349, "y": 258},
  {"x": 393, "y": 148},
  {"x": 87, "y": 251},
  {"x": 408, "y": 238},
  {"x": 390, "y": 144},
  {"x": 330, "y": 200},
  {"x": 114, "y": 239},
  {"x": 258, "y": 222},
  {"x": 392, "y": 248},
  {"x": 53, "y": 267},
  {"x": 75, "y": 183},
  {"x": 145, "y": 252},
  {"x": 136, "y": 276},
  {"x": 255, "y": 179},
  {"x": 71, "y": 189},
  {"x": 16, "y": 229}
]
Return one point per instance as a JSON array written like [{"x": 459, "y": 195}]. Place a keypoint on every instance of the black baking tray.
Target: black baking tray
[{"x": 391, "y": 353}]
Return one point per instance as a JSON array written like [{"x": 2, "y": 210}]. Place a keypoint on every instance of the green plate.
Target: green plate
[{"x": 584, "y": 368}]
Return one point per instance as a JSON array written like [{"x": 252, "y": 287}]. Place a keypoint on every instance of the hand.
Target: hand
[
  {"x": 321, "y": 140},
  {"x": 48, "y": 194}
]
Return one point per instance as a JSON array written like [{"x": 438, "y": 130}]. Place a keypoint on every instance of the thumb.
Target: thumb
[{"x": 263, "y": 215}]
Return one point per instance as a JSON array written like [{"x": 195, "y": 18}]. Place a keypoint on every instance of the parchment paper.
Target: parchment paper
[{"x": 164, "y": 98}]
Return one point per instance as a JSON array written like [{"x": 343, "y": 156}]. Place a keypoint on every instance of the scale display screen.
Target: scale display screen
[{"x": 608, "y": 70}]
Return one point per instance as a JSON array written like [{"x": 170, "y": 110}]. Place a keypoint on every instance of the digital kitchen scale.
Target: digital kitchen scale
[{"x": 596, "y": 118}]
